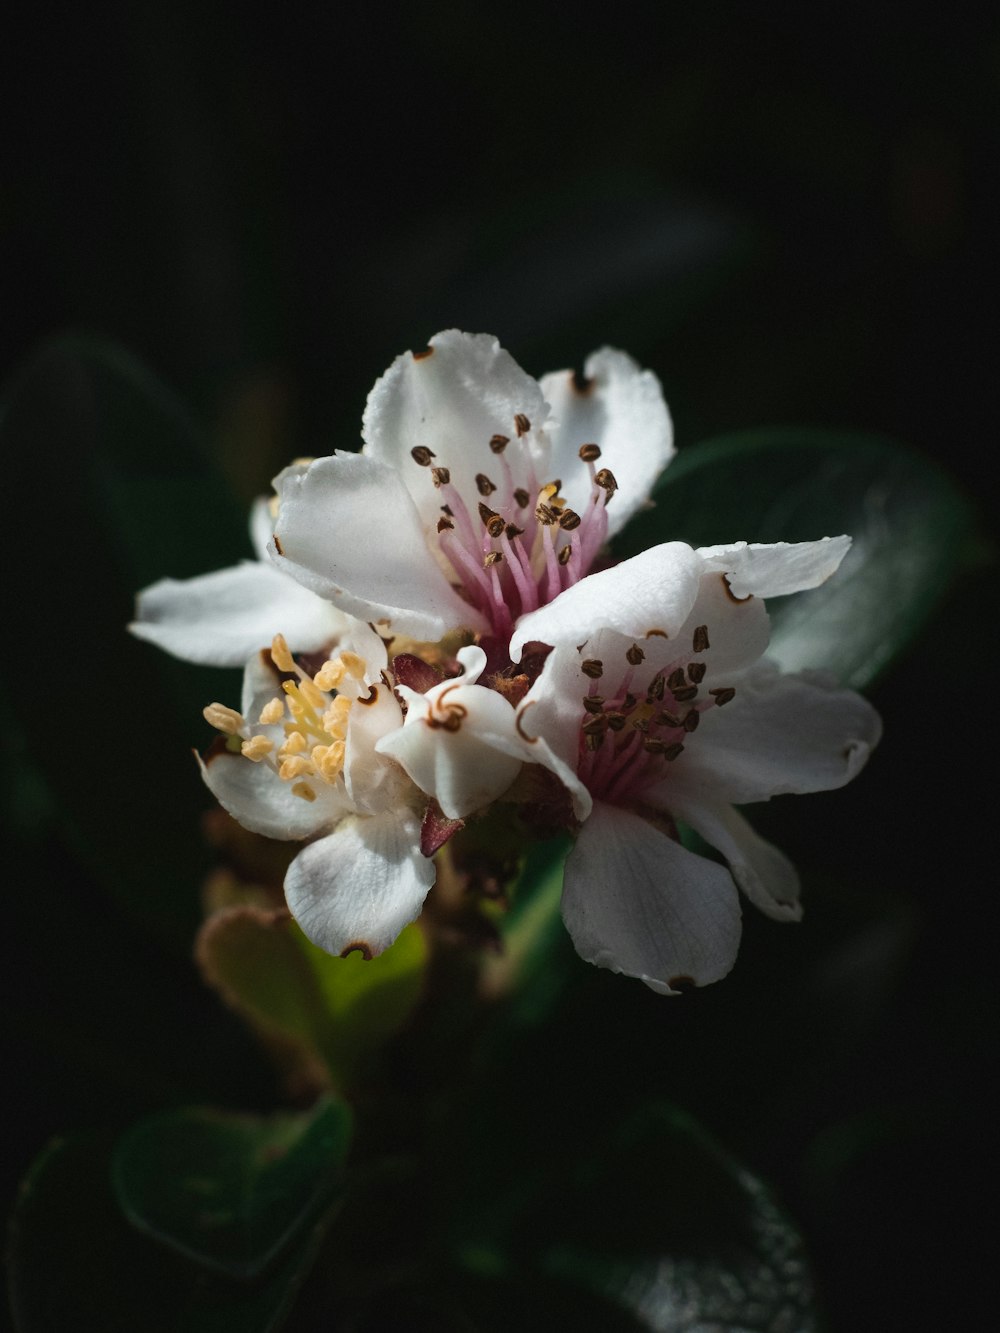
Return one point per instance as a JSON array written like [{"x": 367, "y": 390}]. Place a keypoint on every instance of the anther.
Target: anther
[
  {"x": 700, "y": 641},
  {"x": 629, "y": 703},
  {"x": 672, "y": 751},
  {"x": 616, "y": 721},
  {"x": 565, "y": 553},
  {"x": 330, "y": 674},
  {"x": 257, "y": 748},
  {"x": 522, "y": 498},
  {"x": 441, "y": 476},
  {"x": 685, "y": 693},
  {"x": 492, "y": 558},
  {"x": 691, "y": 720},
  {"x": 606, "y": 480},
  {"x": 445, "y": 524},
  {"x": 447, "y": 511},
  {"x": 223, "y": 719},
  {"x": 272, "y": 712},
  {"x": 594, "y": 740},
  {"x": 656, "y": 689},
  {"x": 595, "y": 725},
  {"x": 355, "y": 665},
  {"x": 295, "y": 767},
  {"x": 723, "y": 696},
  {"x": 666, "y": 719},
  {"x": 696, "y": 672},
  {"x": 303, "y": 791},
  {"x": 653, "y": 745},
  {"x": 590, "y": 453},
  {"x": 546, "y": 514},
  {"x": 512, "y": 531},
  {"x": 569, "y": 519},
  {"x": 593, "y": 703},
  {"x": 676, "y": 679},
  {"x": 634, "y": 655},
  {"x": 640, "y": 724},
  {"x": 498, "y": 443},
  {"x": 483, "y": 484},
  {"x": 280, "y": 655},
  {"x": 421, "y": 455},
  {"x": 521, "y": 424},
  {"x": 592, "y": 667}
]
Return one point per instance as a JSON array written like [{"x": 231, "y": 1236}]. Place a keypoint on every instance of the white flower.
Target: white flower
[
  {"x": 222, "y": 618},
  {"x": 654, "y": 704},
  {"x": 300, "y": 762},
  {"x": 477, "y": 497}
]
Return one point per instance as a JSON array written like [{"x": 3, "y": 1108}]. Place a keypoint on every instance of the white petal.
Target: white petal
[
  {"x": 652, "y": 593},
  {"x": 261, "y": 525},
  {"x": 371, "y": 782},
  {"x": 263, "y": 803},
  {"x": 762, "y": 871},
  {"x": 548, "y": 722},
  {"x": 452, "y": 402},
  {"x": 358, "y": 887},
  {"x": 348, "y": 530},
  {"x": 467, "y": 767},
  {"x": 779, "y": 734},
  {"x": 738, "y": 631},
  {"x": 220, "y": 619},
  {"x": 622, "y": 410},
  {"x": 637, "y": 902},
  {"x": 756, "y": 570}
]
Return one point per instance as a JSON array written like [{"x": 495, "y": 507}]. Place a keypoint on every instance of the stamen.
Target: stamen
[
  {"x": 666, "y": 719},
  {"x": 606, "y": 480},
  {"x": 590, "y": 453},
  {"x": 616, "y": 721},
  {"x": 355, "y": 665},
  {"x": 700, "y": 641},
  {"x": 296, "y": 767},
  {"x": 498, "y": 443},
  {"x": 595, "y": 725},
  {"x": 441, "y": 476},
  {"x": 522, "y": 498},
  {"x": 672, "y": 751},
  {"x": 257, "y": 748},
  {"x": 569, "y": 519},
  {"x": 272, "y": 712},
  {"x": 565, "y": 553},
  {"x": 295, "y": 743},
  {"x": 592, "y": 667},
  {"x": 303, "y": 791},
  {"x": 723, "y": 696},
  {"x": 521, "y": 424},
  {"x": 691, "y": 720},
  {"x": 594, "y": 740},
  {"x": 546, "y": 514},
  {"x": 696, "y": 672},
  {"x": 634, "y": 655},
  {"x": 685, "y": 693},
  {"x": 421, "y": 455},
  {"x": 224, "y": 719},
  {"x": 280, "y": 655},
  {"x": 484, "y": 485},
  {"x": 656, "y": 689},
  {"x": 330, "y": 675},
  {"x": 492, "y": 558},
  {"x": 676, "y": 679},
  {"x": 593, "y": 703},
  {"x": 445, "y": 525}
]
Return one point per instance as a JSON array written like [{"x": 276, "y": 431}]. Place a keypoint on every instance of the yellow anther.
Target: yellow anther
[
  {"x": 280, "y": 655},
  {"x": 223, "y": 719},
  {"x": 272, "y": 712},
  {"x": 304, "y": 791},
  {"x": 354, "y": 665},
  {"x": 257, "y": 748},
  {"x": 329, "y": 759},
  {"x": 335, "y": 717},
  {"x": 295, "y": 767},
  {"x": 330, "y": 674},
  {"x": 295, "y": 743}
]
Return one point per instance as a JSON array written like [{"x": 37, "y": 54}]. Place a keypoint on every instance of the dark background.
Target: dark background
[{"x": 791, "y": 218}]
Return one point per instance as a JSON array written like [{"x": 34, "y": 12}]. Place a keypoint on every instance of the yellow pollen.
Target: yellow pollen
[
  {"x": 329, "y": 759},
  {"x": 223, "y": 719},
  {"x": 295, "y": 743},
  {"x": 354, "y": 665},
  {"x": 330, "y": 674},
  {"x": 272, "y": 712},
  {"x": 303, "y": 790},
  {"x": 257, "y": 748},
  {"x": 280, "y": 655},
  {"x": 295, "y": 767}
]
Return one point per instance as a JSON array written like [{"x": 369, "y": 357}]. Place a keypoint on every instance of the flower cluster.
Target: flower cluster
[{"x": 434, "y": 625}]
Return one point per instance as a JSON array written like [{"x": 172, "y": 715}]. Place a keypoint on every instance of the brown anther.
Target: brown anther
[
  {"x": 634, "y": 655},
  {"x": 666, "y": 719},
  {"x": 592, "y": 667},
  {"x": 594, "y": 741},
  {"x": 672, "y": 751},
  {"x": 652, "y": 745},
  {"x": 606, "y": 480},
  {"x": 593, "y": 703},
  {"x": 498, "y": 443},
  {"x": 565, "y": 553},
  {"x": 447, "y": 509},
  {"x": 685, "y": 693},
  {"x": 676, "y": 679},
  {"x": 493, "y": 521},
  {"x": 421, "y": 455},
  {"x": 512, "y": 531},
  {"x": 615, "y": 720},
  {"x": 696, "y": 672},
  {"x": 700, "y": 641},
  {"x": 723, "y": 696},
  {"x": 445, "y": 525},
  {"x": 641, "y": 724},
  {"x": 441, "y": 476},
  {"x": 521, "y": 424},
  {"x": 629, "y": 703},
  {"x": 569, "y": 519},
  {"x": 522, "y": 498},
  {"x": 595, "y": 725},
  {"x": 656, "y": 689},
  {"x": 483, "y": 484},
  {"x": 546, "y": 514},
  {"x": 691, "y": 720},
  {"x": 492, "y": 558},
  {"x": 590, "y": 453}
]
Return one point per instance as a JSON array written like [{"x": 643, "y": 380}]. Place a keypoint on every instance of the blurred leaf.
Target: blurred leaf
[
  {"x": 658, "y": 1221},
  {"x": 75, "y": 1263},
  {"x": 231, "y": 1191},
  {"x": 121, "y": 493},
  {"x": 315, "y": 1013},
  {"x": 912, "y": 528}
]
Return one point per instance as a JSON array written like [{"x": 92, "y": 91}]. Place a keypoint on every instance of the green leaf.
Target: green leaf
[
  {"x": 660, "y": 1222},
  {"x": 75, "y": 1263},
  {"x": 912, "y": 529},
  {"x": 119, "y": 492},
  {"x": 231, "y": 1191},
  {"x": 319, "y": 1016}
]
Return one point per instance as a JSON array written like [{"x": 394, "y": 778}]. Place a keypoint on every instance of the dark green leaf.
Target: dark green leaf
[
  {"x": 231, "y": 1191},
  {"x": 911, "y": 526},
  {"x": 76, "y": 1264},
  {"x": 120, "y": 493}
]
